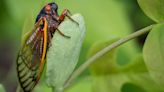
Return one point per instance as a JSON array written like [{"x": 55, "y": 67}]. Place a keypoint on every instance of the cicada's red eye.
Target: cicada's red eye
[{"x": 48, "y": 9}]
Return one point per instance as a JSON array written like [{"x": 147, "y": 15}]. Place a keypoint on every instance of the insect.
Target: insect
[{"x": 31, "y": 57}]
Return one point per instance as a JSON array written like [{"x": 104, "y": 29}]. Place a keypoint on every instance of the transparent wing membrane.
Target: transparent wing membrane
[{"x": 30, "y": 57}]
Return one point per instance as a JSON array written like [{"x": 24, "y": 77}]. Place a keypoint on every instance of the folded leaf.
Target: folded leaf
[{"x": 63, "y": 55}]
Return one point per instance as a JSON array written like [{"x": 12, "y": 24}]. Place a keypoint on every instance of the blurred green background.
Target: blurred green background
[{"x": 106, "y": 21}]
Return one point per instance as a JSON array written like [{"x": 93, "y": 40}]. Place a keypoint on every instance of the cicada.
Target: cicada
[{"x": 31, "y": 57}]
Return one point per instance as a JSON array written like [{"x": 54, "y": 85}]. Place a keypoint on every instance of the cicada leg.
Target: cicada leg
[
  {"x": 66, "y": 13},
  {"x": 62, "y": 33}
]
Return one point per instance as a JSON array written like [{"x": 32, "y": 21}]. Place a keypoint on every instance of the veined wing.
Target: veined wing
[{"x": 31, "y": 57}]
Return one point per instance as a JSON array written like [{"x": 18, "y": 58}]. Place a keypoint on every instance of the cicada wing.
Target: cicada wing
[{"x": 30, "y": 59}]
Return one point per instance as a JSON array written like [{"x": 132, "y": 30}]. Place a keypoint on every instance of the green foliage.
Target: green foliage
[
  {"x": 2, "y": 88},
  {"x": 63, "y": 55},
  {"x": 154, "y": 53},
  {"x": 131, "y": 78},
  {"x": 153, "y": 8},
  {"x": 118, "y": 82}
]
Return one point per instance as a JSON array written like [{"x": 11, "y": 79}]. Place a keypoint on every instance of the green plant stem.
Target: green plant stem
[{"x": 91, "y": 60}]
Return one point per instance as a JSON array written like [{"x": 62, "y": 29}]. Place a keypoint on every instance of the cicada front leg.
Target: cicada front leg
[
  {"x": 61, "y": 33},
  {"x": 66, "y": 13}
]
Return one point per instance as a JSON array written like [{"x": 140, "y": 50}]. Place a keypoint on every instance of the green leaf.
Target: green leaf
[
  {"x": 63, "y": 55},
  {"x": 154, "y": 53},
  {"x": 2, "y": 88},
  {"x": 153, "y": 8},
  {"x": 106, "y": 64}
]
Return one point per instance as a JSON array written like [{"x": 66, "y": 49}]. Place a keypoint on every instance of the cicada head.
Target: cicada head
[
  {"x": 54, "y": 8},
  {"x": 49, "y": 9}
]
